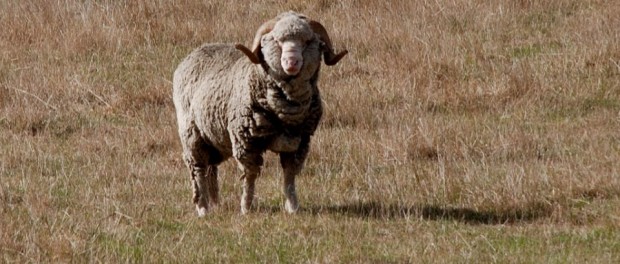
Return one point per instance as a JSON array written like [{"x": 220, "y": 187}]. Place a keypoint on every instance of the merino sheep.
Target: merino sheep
[{"x": 227, "y": 105}]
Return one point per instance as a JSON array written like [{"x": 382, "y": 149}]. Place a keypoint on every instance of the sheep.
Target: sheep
[{"x": 233, "y": 101}]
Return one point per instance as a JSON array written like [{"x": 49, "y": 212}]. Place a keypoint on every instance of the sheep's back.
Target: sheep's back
[
  {"x": 204, "y": 67},
  {"x": 203, "y": 85}
]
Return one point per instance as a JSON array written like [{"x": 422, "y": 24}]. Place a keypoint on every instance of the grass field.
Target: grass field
[{"x": 454, "y": 131}]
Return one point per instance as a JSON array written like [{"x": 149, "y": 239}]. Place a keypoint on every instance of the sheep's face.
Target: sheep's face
[
  {"x": 292, "y": 44},
  {"x": 291, "y": 48},
  {"x": 292, "y": 58}
]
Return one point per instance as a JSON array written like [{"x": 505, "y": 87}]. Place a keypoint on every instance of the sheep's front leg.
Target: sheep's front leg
[
  {"x": 292, "y": 163},
  {"x": 249, "y": 184},
  {"x": 250, "y": 167}
]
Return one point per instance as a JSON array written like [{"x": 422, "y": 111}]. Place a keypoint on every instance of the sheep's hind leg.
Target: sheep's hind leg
[
  {"x": 200, "y": 159},
  {"x": 212, "y": 187},
  {"x": 204, "y": 183},
  {"x": 199, "y": 184}
]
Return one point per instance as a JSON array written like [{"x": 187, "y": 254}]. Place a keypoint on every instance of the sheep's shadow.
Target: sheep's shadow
[{"x": 379, "y": 210}]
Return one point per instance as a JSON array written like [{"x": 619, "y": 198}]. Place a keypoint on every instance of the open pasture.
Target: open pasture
[{"x": 454, "y": 131}]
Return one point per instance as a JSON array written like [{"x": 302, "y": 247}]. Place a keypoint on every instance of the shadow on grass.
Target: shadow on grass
[{"x": 378, "y": 210}]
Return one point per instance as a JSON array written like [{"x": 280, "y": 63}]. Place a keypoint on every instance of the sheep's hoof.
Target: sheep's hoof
[
  {"x": 291, "y": 207},
  {"x": 244, "y": 210},
  {"x": 202, "y": 211}
]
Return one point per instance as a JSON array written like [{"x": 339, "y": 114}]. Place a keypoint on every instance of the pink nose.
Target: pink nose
[{"x": 291, "y": 64}]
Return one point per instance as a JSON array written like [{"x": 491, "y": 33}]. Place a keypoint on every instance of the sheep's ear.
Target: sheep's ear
[
  {"x": 253, "y": 57},
  {"x": 329, "y": 56}
]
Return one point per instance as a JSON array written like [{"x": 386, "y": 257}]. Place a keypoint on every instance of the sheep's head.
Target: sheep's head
[{"x": 289, "y": 42}]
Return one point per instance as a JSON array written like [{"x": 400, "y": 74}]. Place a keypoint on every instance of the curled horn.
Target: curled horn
[
  {"x": 253, "y": 54},
  {"x": 328, "y": 55}
]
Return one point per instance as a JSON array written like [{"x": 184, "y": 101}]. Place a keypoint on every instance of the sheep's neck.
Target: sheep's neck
[{"x": 289, "y": 101}]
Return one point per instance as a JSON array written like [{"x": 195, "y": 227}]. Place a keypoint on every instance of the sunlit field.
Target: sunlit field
[{"x": 454, "y": 131}]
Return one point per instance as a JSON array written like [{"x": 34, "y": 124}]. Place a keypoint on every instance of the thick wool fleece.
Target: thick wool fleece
[{"x": 226, "y": 106}]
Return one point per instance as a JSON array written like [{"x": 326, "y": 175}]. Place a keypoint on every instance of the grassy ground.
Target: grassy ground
[{"x": 468, "y": 131}]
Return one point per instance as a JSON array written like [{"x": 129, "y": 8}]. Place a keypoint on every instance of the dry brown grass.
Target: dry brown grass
[{"x": 468, "y": 131}]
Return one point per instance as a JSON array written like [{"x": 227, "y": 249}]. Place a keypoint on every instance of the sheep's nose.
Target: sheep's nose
[{"x": 291, "y": 64}]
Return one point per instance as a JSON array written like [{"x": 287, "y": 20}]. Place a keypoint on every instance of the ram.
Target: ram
[{"x": 232, "y": 101}]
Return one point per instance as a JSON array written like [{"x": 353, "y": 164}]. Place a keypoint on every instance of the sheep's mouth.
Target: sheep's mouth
[
  {"x": 291, "y": 65},
  {"x": 292, "y": 71}
]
